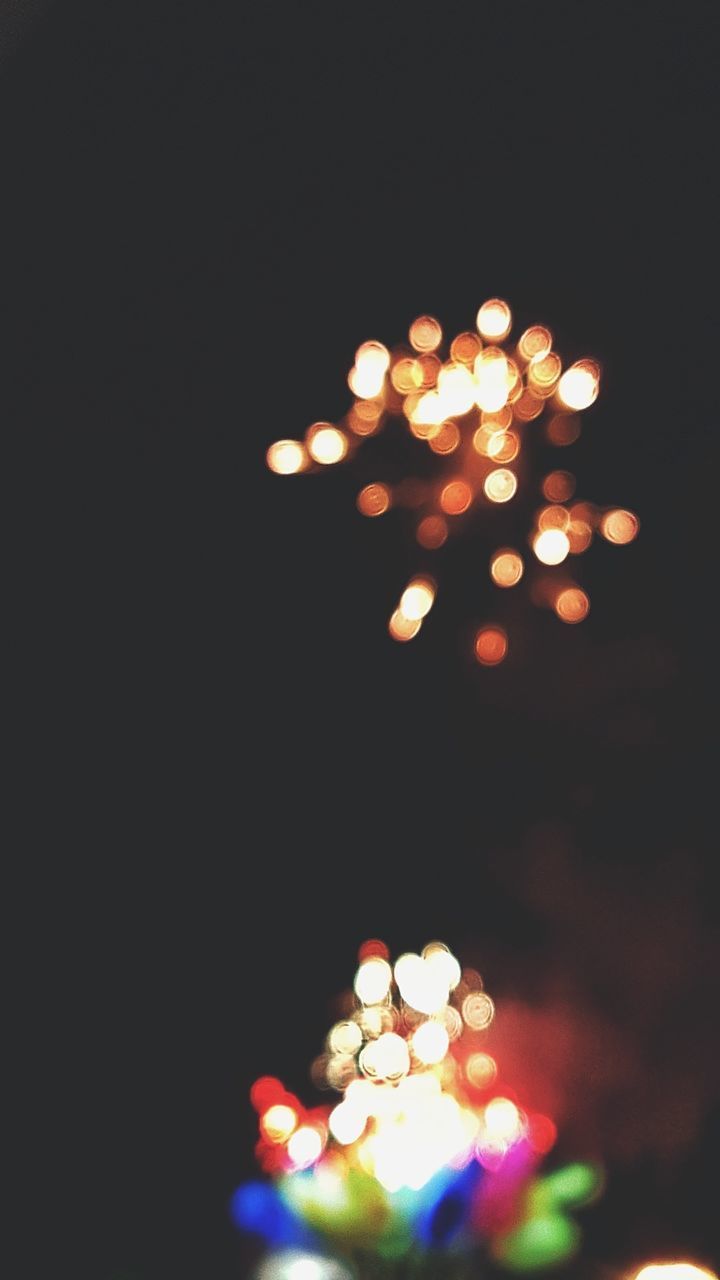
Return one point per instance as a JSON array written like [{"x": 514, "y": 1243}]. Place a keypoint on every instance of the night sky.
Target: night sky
[{"x": 228, "y": 775}]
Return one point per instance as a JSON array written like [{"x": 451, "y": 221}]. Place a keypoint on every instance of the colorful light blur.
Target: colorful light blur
[
  {"x": 474, "y": 404},
  {"x": 425, "y": 1155}
]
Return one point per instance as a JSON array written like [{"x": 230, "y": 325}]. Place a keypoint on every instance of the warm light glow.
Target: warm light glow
[
  {"x": 506, "y": 568},
  {"x": 432, "y": 532},
  {"x": 478, "y": 1010},
  {"x": 572, "y": 605},
  {"x": 502, "y": 1120},
  {"x": 465, "y": 347},
  {"x": 446, "y": 439},
  {"x": 367, "y": 377},
  {"x": 326, "y": 444},
  {"x": 372, "y": 980},
  {"x": 278, "y": 1122},
  {"x": 456, "y": 388},
  {"x": 500, "y": 485},
  {"x": 619, "y": 526},
  {"x": 422, "y": 985},
  {"x": 425, "y": 334},
  {"x": 491, "y": 646},
  {"x": 579, "y": 385},
  {"x": 563, "y": 429},
  {"x": 305, "y": 1147},
  {"x": 406, "y": 375},
  {"x": 345, "y": 1037},
  {"x": 456, "y": 497},
  {"x": 347, "y": 1123},
  {"x": 440, "y": 957},
  {"x": 386, "y": 1058},
  {"x": 674, "y": 1271},
  {"x": 503, "y": 446},
  {"x": 373, "y": 500},
  {"x": 551, "y": 546},
  {"x": 417, "y": 599},
  {"x": 286, "y": 457},
  {"x": 534, "y": 343},
  {"x": 491, "y": 380},
  {"x": 528, "y": 406},
  {"x": 579, "y": 534},
  {"x": 430, "y": 1042},
  {"x": 402, "y": 628},
  {"x": 553, "y": 517},
  {"x": 480, "y": 1070},
  {"x": 558, "y": 486},
  {"x": 543, "y": 373},
  {"x": 494, "y": 320}
]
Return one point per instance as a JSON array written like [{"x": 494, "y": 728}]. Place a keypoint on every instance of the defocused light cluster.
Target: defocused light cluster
[
  {"x": 426, "y": 1151},
  {"x": 477, "y": 405}
]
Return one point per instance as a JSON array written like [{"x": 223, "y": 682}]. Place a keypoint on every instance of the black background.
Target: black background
[{"x": 229, "y": 775}]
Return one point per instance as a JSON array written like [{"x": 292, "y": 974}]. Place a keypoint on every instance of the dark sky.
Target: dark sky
[{"x": 228, "y": 774}]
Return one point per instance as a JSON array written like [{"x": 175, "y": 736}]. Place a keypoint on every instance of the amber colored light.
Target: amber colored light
[
  {"x": 402, "y": 628},
  {"x": 619, "y": 526},
  {"x": 373, "y": 500},
  {"x": 494, "y": 320},
  {"x": 365, "y": 417},
  {"x": 286, "y": 457},
  {"x": 278, "y": 1122},
  {"x": 456, "y": 497},
  {"x": 326, "y": 444},
  {"x": 534, "y": 342},
  {"x": 572, "y": 604},
  {"x": 503, "y": 446},
  {"x": 528, "y": 406},
  {"x": 430, "y": 366},
  {"x": 553, "y": 517},
  {"x": 579, "y": 534},
  {"x": 491, "y": 380},
  {"x": 417, "y": 599},
  {"x": 432, "y": 532},
  {"x": 506, "y": 568},
  {"x": 551, "y": 546},
  {"x": 480, "y": 1070},
  {"x": 500, "y": 485},
  {"x": 491, "y": 646},
  {"x": 543, "y": 373},
  {"x": 558, "y": 486},
  {"x": 446, "y": 439},
  {"x": 406, "y": 375},
  {"x": 425, "y": 334},
  {"x": 465, "y": 347},
  {"x": 579, "y": 385}
]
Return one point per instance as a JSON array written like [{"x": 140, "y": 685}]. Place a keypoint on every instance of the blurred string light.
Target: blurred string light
[
  {"x": 477, "y": 405},
  {"x": 427, "y": 1156}
]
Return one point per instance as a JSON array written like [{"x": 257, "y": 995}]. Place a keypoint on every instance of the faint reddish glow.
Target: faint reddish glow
[
  {"x": 506, "y": 568},
  {"x": 551, "y": 546},
  {"x": 619, "y": 526},
  {"x": 286, "y": 457},
  {"x": 265, "y": 1092},
  {"x": 579, "y": 534},
  {"x": 425, "y": 334},
  {"x": 373, "y": 500},
  {"x": 447, "y": 438},
  {"x": 326, "y": 443},
  {"x": 572, "y": 604},
  {"x": 417, "y": 599},
  {"x": 558, "y": 486},
  {"x": 465, "y": 347},
  {"x": 535, "y": 342},
  {"x": 456, "y": 497},
  {"x": 528, "y": 406},
  {"x": 491, "y": 646},
  {"x": 579, "y": 385},
  {"x": 494, "y": 320},
  {"x": 563, "y": 429},
  {"x": 542, "y": 1133},
  {"x": 432, "y": 532},
  {"x": 373, "y": 947},
  {"x": 481, "y": 1070},
  {"x": 500, "y": 485}
]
